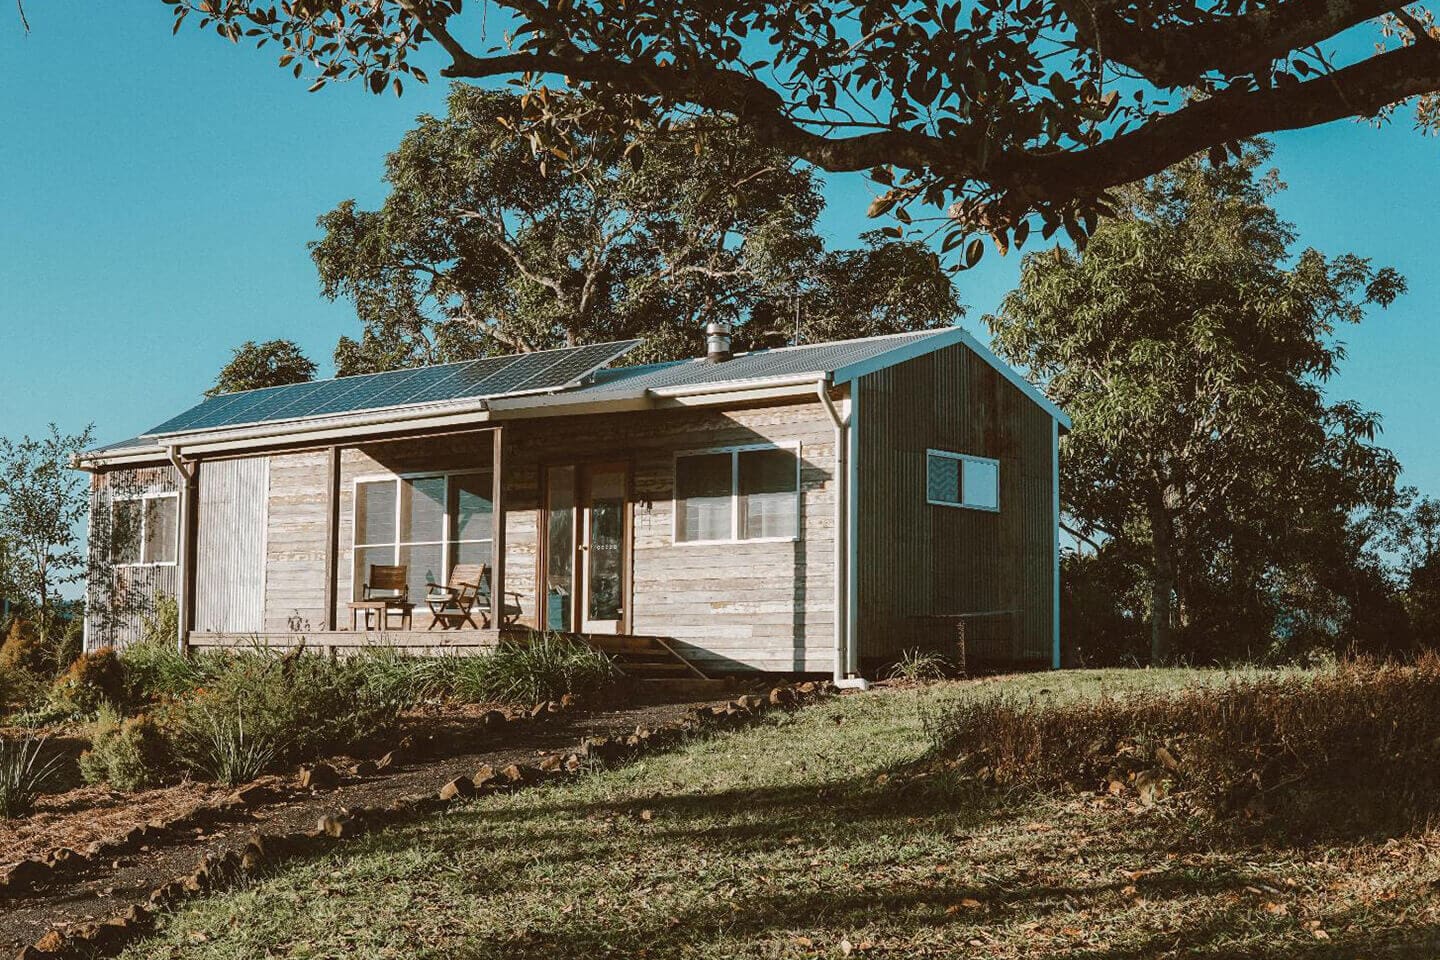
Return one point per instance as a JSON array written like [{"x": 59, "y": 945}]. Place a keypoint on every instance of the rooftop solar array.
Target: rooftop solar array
[{"x": 541, "y": 371}]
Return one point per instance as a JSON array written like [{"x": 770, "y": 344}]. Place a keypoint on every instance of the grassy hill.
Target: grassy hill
[{"x": 804, "y": 836}]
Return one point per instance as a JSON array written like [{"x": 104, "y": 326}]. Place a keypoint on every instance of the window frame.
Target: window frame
[
  {"x": 962, "y": 459},
  {"x": 144, "y": 542},
  {"x": 445, "y": 545},
  {"x": 793, "y": 446}
]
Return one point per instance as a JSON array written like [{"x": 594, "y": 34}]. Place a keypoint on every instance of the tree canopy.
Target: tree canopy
[
  {"x": 999, "y": 108},
  {"x": 1192, "y": 350},
  {"x": 483, "y": 245},
  {"x": 273, "y": 363}
]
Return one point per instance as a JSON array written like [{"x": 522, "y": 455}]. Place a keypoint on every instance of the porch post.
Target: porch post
[
  {"x": 189, "y": 525},
  {"x": 497, "y": 519},
  {"x": 332, "y": 536}
]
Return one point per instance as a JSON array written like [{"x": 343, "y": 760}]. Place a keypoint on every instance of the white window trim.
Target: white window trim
[
  {"x": 145, "y": 525},
  {"x": 445, "y": 545},
  {"x": 734, "y": 538},
  {"x": 963, "y": 458}
]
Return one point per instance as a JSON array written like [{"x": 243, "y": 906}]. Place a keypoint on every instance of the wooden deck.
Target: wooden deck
[{"x": 641, "y": 657}]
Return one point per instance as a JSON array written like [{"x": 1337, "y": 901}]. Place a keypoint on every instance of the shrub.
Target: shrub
[
  {"x": 92, "y": 680},
  {"x": 128, "y": 753},
  {"x": 531, "y": 670},
  {"x": 24, "y": 649},
  {"x": 1352, "y": 750},
  {"x": 394, "y": 676},
  {"x": 286, "y": 707},
  {"x": 917, "y": 665},
  {"x": 23, "y": 775}
]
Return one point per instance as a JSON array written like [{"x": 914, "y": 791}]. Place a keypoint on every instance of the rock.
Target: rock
[
  {"x": 551, "y": 762},
  {"x": 808, "y": 688},
  {"x": 459, "y": 788},
  {"x": 537, "y": 711},
  {"x": 515, "y": 773},
  {"x": 319, "y": 776},
  {"x": 254, "y": 855},
  {"x": 385, "y": 762},
  {"x": 365, "y": 768},
  {"x": 250, "y": 796},
  {"x": 1152, "y": 786},
  {"x": 137, "y": 913},
  {"x": 52, "y": 942},
  {"x": 95, "y": 849},
  {"x": 337, "y": 826},
  {"x": 60, "y": 855},
  {"x": 750, "y": 703},
  {"x": 1167, "y": 759},
  {"x": 493, "y": 719},
  {"x": 573, "y": 763},
  {"x": 782, "y": 697},
  {"x": 553, "y": 706},
  {"x": 483, "y": 776},
  {"x": 25, "y": 874},
  {"x": 568, "y": 700}
]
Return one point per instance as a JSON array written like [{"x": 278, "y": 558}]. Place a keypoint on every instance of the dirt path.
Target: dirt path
[{"x": 100, "y": 889}]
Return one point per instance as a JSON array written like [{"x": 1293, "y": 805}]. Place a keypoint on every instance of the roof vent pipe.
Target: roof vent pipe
[{"x": 717, "y": 342}]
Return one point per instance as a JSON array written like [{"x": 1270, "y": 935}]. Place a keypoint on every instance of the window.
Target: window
[
  {"x": 145, "y": 530},
  {"x": 426, "y": 523},
  {"x": 959, "y": 480},
  {"x": 744, "y": 493}
]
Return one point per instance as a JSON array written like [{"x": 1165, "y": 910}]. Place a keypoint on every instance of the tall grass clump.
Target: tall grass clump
[
  {"x": 24, "y": 774},
  {"x": 533, "y": 669},
  {"x": 919, "y": 666},
  {"x": 1346, "y": 751},
  {"x": 217, "y": 746},
  {"x": 155, "y": 669}
]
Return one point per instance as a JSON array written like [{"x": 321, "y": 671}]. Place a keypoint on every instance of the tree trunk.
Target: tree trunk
[{"x": 1162, "y": 590}]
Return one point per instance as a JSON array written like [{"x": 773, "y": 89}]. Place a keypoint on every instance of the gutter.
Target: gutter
[{"x": 844, "y": 653}]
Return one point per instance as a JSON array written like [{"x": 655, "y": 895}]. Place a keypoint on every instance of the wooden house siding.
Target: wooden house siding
[
  {"x": 119, "y": 598},
  {"x": 919, "y": 560},
  {"x": 296, "y": 541},
  {"x": 230, "y": 536},
  {"x": 765, "y": 606}
]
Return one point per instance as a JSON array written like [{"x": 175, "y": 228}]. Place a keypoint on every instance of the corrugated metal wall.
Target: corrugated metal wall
[
  {"x": 917, "y": 559},
  {"x": 230, "y": 558}
]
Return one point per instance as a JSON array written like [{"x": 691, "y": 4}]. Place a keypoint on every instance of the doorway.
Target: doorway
[{"x": 587, "y": 547}]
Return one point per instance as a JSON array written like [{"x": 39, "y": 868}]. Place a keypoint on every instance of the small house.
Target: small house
[{"x": 808, "y": 509}]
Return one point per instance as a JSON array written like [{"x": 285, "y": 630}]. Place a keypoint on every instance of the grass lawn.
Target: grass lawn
[{"x": 794, "y": 839}]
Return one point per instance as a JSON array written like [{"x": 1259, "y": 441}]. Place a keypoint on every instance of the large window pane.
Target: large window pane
[
  {"x": 981, "y": 484},
  {"x": 767, "y": 493},
  {"x": 703, "y": 489},
  {"x": 161, "y": 525},
  {"x": 560, "y": 549},
  {"x": 423, "y": 510},
  {"x": 470, "y": 508},
  {"x": 375, "y": 512},
  {"x": 127, "y": 531},
  {"x": 942, "y": 479},
  {"x": 425, "y": 567}
]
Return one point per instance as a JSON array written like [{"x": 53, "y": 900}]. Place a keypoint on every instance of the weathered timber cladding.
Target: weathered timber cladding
[
  {"x": 296, "y": 541},
  {"x": 119, "y": 598},
  {"x": 916, "y": 559},
  {"x": 729, "y": 606},
  {"x": 230, "y": 541}
]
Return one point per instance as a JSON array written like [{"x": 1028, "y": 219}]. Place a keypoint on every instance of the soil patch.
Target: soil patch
[{"x": 442, "y": 746}]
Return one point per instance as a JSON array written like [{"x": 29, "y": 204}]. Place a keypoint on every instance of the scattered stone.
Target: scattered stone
[
  {"x": 460, "y": 787},
  {"x": 750, "y": 702},
  {"x": 1167, "y": 759},
  {"x": 26, "y": 874},
  {"x": 493, "y": 719},
  {"x": 551, "y": 763},
  {"x": 249, "y": 796},
  {"x": 573, "y": 763},
  {"x": 52, "y": 942},
  {"x": 537, "y": 711},
  {"x": 318, "y": 776},
  {"x": 365, "y": 768},
  {"x": 515, "y": 773},
  {"x": 782, "y": 697},
  {"x": 568, "y": 700},
  {"x": 337, "y": 826},
  {"x": 385, "y": 762},
  {"x": 1152, "y": 786},
  {"x": 808, "y": 688},
  {"x": 553, "y": 706},
  {"x": 483, "y": 776}
]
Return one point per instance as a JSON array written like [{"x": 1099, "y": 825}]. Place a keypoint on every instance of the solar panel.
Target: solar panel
[{"x": 485, "y": 377}]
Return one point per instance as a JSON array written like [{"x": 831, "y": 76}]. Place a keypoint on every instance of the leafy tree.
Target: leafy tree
[
  {"x": 1192, "y": 350},
  {"x": 273, "y": 363},
  {"x": 43, "y": 503},
  {"x": 997, "y": 108},
  {"x": 485, "y": 246},
  {"x": 1411, "y": 535}
]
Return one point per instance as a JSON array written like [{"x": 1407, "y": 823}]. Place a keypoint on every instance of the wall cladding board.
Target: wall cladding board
[
  {"x": 917, "y": 559},
  {"x": 296, "y": 542},
  {"x": 730, "y": 606}
]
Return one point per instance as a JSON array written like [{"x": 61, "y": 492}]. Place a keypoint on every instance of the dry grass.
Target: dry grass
[{"x": 806, "y": 837}]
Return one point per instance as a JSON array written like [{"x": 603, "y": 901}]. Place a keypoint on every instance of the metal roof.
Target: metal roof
[
  {"x": 578, "y": 374},
  {"x": 541, "y": 371}
]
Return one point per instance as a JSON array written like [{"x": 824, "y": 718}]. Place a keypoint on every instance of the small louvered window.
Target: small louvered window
[{"x": 961, "y": 480}]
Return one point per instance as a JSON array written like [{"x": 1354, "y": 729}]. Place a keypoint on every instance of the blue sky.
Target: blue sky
[{"x": 157, "y": 193}]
